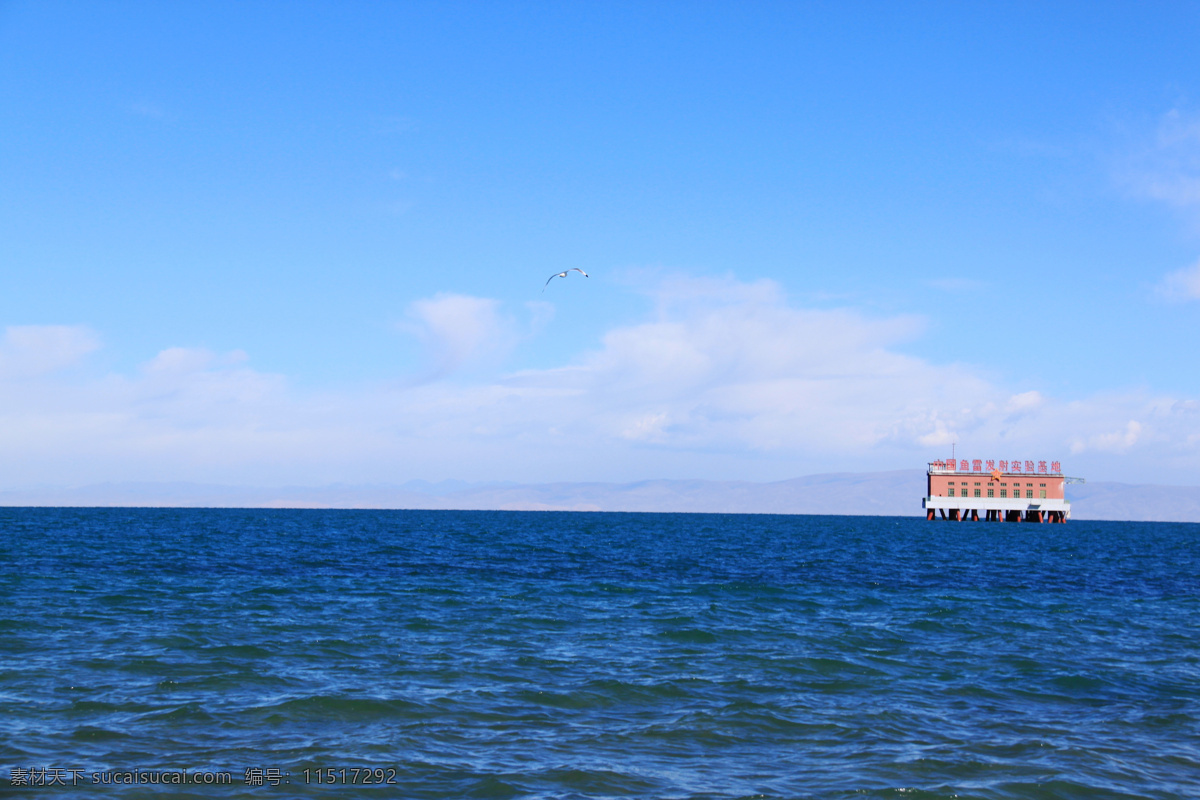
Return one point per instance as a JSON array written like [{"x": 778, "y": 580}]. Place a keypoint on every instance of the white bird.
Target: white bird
[{"x": 563, "y": 275}]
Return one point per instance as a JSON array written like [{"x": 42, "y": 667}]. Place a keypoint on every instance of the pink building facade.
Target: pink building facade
[{"x": 1005, "y": 491}]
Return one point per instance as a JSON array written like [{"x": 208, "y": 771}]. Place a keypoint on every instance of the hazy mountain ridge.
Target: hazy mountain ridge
[{"x": 895, "y": 493}]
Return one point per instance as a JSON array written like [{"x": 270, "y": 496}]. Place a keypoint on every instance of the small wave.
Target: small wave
[
  {"x": 92, "y": 733},
  {"x": 576, "y": 700},
  {"x": 249, "y": 651},
  {"x": 192, "y": 713},
  {"x": 828, "y": 667},
  {"x": 92, "y": 707},
  {"x": 597, "y": 782},
  {"x": 492, "y": 788},
  {"x": 343, "y": 708},
  {"x": 690, "y": 636},
  {"x": 1059, "y": 789}
]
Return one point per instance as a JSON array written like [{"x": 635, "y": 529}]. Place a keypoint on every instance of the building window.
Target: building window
[
  {"x": 991, "y": 492},
  {"x": 950, "y": 492},
  {"x": 1042, "y": 493},
  {"x": 977, "y": 493},
  {"x": 1041, "y": 484},
  {"x": 1029, "y": 493},
  {"x": 1004, "y": 492}
]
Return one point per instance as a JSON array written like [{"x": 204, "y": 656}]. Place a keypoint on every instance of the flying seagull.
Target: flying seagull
[{"x": 563, "y": 275}]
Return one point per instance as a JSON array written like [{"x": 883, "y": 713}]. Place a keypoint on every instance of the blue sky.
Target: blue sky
[{"x": 305, "y": 243}]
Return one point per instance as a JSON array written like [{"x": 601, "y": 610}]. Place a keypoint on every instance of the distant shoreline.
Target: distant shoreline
[{"x": 890, "y": 494}]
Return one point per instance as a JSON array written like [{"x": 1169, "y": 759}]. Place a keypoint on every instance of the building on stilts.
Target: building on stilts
[{"x": 997, "y": 491}]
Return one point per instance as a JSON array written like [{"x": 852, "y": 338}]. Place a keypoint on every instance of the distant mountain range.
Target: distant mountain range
[{"x": 896, "y": 493}]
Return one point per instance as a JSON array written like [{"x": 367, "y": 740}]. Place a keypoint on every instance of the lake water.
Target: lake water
[{"x": 582, "y": 655}]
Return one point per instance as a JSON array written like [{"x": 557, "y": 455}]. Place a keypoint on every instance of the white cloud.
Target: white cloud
[
  {"x": 179, "y": 359},
  {"x": 731, "y": 373},
  {"x": 1182, "y": 284},
  {"x": 541, "y": 314},
  {"x": 35, "y": 349},
  {"x": 731, "y": 365},
  {"x": 1025, "y": 400},
  {"x": 726, "y": 379},
  {"x": 459, "y": 329},
  {"x": 1114, "y": 442},
  {"x": 1168, "y": 168}
]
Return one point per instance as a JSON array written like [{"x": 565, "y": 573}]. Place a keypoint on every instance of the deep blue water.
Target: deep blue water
[{"x": 582, "y": 655}]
